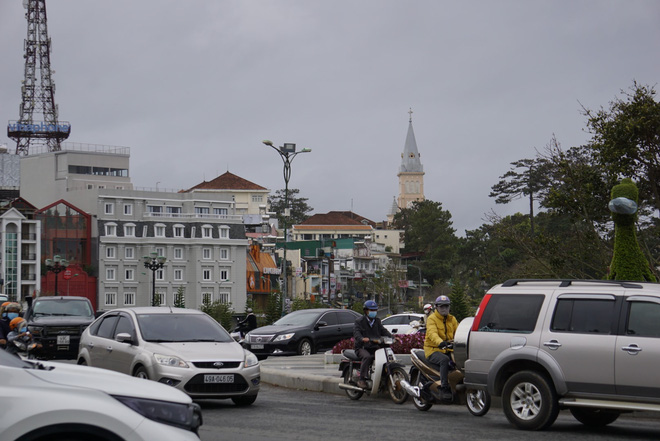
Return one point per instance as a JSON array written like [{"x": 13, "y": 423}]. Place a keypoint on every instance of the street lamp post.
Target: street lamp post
[
  {"x": 420, "y": 278},
  {"x": 287, "y": 152},
  {"x": 154, "y": 262},
  {"x": 56, "y": 265}
]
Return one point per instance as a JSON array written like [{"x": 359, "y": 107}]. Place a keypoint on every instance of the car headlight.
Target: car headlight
[
  {"x": 170, "y": 360},
  {"x": 185, "y": 416},
  {"x": 250, "y": 359},
  {"x": 284, "y": 337},
  {"x": 36, "y": 330}
]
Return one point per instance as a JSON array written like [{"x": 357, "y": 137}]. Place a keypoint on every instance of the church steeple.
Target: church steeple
[{"x": 411, "y": 171}]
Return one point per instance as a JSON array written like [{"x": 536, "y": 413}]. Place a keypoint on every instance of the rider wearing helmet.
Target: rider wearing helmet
[
  {"x": 440, "y": 329},
  {"x": 367, "y": 328},
  {"x": 8, "y": 311},
  {"x": 19, "y": 336},
  {"x": 248, "y": 323},
  {"x": 428, "y": 309}
]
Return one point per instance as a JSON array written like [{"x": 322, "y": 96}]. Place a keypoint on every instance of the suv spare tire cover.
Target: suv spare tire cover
[{"x": 461, "y": 341}]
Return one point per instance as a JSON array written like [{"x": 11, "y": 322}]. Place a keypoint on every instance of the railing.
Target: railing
[
  {"x": 29, "y": 276},
  {"x": 28, "y": 236},
  {"x": 29, "y": 256},
  {"x": 83, "y": 147},
  {"x": 234, "y": 217}
]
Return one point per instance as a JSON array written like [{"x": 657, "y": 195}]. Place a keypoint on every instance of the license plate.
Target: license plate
[
  {"x": 257, "y": 346},
  {"x": 63, "y": 339},
  {"x": 219, "y": 378}
]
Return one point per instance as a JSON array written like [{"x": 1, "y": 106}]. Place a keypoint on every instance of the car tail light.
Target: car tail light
[{"x": 480, "y": 312}]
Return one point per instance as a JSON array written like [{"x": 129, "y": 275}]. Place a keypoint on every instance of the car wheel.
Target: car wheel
[
  {"x": 478, "y": 402},
  {"x": 350, "y": 376},
  {"x": 397, "y": 393},
  {"x": 141, "y": 372},
  {"x": 244, "y": 401},
  {"x": 82, "y": 362},
  {"x": 305, "y": 347},
  {"x": 529, "y": 401},
  {"x": 595, "y": 417}
]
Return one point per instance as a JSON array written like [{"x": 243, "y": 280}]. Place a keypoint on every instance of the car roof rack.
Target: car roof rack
[{"x": 563, "y": 283}]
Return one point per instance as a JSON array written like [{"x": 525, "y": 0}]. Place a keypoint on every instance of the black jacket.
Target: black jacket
[{"x": 363, "y": 329}]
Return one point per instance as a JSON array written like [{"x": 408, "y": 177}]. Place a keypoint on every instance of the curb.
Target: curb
[{"x": 301, "y": 381}]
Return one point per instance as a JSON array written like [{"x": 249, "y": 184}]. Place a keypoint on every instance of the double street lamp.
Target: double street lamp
[
  {"x": 56, "y": 265},
  {"x": 154, "y": 262},
  {"x": 287, "y": 152}
]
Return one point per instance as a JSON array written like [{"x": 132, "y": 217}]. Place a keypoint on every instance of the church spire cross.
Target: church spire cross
[{"x": 410, "y": 112}]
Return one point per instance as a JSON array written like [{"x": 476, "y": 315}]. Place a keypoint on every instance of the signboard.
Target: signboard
[
  {"x": 403, "y": 284},
  {"x": 66, "y": 275},
  {"x": 271, "y": 270}
]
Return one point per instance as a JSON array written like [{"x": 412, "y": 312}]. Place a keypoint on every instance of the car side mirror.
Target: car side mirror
[
  {"x": 124, "y": 337},
  {"x": 320, "y": 324}
]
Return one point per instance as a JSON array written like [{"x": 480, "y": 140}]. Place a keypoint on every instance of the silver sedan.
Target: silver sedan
[{"x": 183, "y": 348}]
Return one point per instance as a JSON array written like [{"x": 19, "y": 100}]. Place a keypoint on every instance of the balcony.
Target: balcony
[
  {"x": 28, "y": 256},
  {"x": 28, "y": 236},
  {"x": 188, "y": 216},
  {"x": 28, "y": 276}
]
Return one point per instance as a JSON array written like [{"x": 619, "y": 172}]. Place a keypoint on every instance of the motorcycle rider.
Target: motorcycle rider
[
  {"x": 19, "y": 332},
  {"x": 8, "y": 312},
  {"x": 440, "y": 329},
  {"x": 248, "y": 323},
  {"x": 428, "y": 309},
  {"x": 366, "y": 328}
]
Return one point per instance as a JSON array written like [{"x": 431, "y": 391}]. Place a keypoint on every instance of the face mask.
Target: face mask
[
  {"x": 12, "y": 315},
  {"x": 372, "y": 314},
  {"x": 444, "y": 311},
  {"x": 22, "y": 330},
  {"x": 4, "y": 315}
]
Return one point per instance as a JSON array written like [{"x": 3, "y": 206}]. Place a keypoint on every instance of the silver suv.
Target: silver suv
[{"x": 592, "y": 346}]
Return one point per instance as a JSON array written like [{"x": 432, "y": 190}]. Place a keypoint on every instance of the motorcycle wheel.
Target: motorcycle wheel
[
  {"x": 397, "y": 392},
  {"x": 349, "y": 373},
  {"x": 478, "y": 402},
  {"x": 420, "y": 403}
]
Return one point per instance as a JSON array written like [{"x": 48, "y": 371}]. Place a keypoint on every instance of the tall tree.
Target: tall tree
[
  {"x": 298, "y": 206},
  {"x": 626, "y": 139},
  {"x": 527, "y": 178},
  {"x": 428, "y": 230}
]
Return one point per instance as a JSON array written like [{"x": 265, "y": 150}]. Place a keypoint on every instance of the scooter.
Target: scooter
[
  {"x": 424, "y": 387},
  {"x": 385, "y": 373},
  {"x": 25, "y": 349}
]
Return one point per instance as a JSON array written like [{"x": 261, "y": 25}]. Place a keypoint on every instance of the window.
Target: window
[
  {"x": 174, "y": 211},
  {"x": 201, "y": 211},
  {"x": 224, "y": 254},
  {"x": 257, "y": 198},
  {"x": 224, "y": 275},
  {"x": 223, "y": 297},
  {"x": 159, "y": 299},
  {"x": 178, "y": 253},
  {"x": 129, "y": 274},
  {"x": 511, "y": 313},
  {"x": 159, "y": 230},
  {"x": 109, "y": 208},
  {"x": 206, "y": 274},
  {"x": 584, "y": 315},
  {"x": 154, "y": 210},
  {"x": 220, "y": 211},
  {"x": 129, "y": 230},
  {"x": 643, "y": 319},
  {"x": 207, "y": 298},
  {"x": 207, "y": 231},
  {"x": 110, "y": 274},
  {"x": 110, "y": 252},
  {"x": 111, "y": 298},
  {"x": 111, "y": 229},
  {"x": 129, "y": 298},
  {"x": 160, "y": 274},
  {"x": 224, "y": 232},
  {"x": 179, "y": 231},
  {"x": 206, "y": 253},
  {"x": 129, "y": 253},
  {"x": 128, "y": 209},
  {"x": 178, "y": 274},
  {"x": 160, "y": 251}
]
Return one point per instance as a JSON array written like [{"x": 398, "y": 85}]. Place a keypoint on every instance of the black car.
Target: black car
[
  {"x": 57, "y": 323},
  {"x": 302, "y": 332}
]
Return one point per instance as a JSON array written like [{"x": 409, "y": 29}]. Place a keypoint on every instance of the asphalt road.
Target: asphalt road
[{"x": 286, "y": 414}]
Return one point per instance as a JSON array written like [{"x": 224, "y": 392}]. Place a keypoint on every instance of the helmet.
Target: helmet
[
  {"x": 442, "y": 300},
  {"x": 428, "y": 307},
  {"x": 370, "y": 304},
  {"x": 13, "y": 306},
  {"x": 16, "y": 323},
  {"x": 249, "y": 310}
]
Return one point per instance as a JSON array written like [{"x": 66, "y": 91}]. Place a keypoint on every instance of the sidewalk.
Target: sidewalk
[{"x": 317, "y": 372}]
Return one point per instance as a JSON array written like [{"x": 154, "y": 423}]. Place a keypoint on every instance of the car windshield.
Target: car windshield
[
  {"x": 299, "y": 318},
  {"x": 174, "y": 328},
  {"x": 62, "y": 307}
]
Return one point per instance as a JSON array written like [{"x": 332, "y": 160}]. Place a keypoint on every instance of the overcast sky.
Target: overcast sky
[{"x": 193, "y": 87}]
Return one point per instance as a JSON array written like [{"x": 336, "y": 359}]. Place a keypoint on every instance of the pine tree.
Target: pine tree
[{"x": 460, "y": 304}]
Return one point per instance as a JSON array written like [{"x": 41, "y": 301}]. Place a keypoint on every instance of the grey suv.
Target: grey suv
[{"x": 592, "y": 346}]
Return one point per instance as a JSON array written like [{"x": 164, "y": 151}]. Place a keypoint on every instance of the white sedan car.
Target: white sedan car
[
  {"x": 400, "y": 323},
  {"x": 56, "y": 402},
  {"x": 183, "y": 348}
]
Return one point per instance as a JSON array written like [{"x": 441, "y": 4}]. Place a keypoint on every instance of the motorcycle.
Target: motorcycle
[
  {"x": 385, "y": 373},
  {"x": 424, "y": 387},
  {"x": 24, "y": 348}
]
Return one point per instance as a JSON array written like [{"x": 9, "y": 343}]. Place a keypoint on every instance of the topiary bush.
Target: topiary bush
[{"x": 403, "y": 345}]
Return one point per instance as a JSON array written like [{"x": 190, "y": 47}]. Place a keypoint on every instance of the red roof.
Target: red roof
[
  {"x": 338, "y": 218},
  {"x": 227, "y": 181}
]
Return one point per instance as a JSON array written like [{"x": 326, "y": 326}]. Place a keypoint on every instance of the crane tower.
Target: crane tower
[{"x": 37, "y": 94}]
